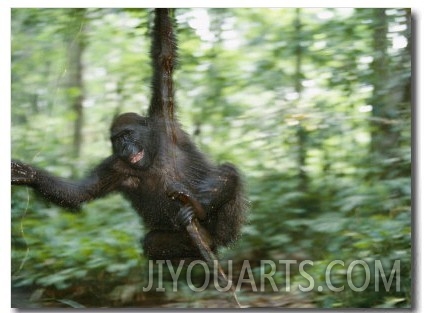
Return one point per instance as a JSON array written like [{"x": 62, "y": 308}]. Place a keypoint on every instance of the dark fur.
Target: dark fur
[{"x": 172, "y": 173}]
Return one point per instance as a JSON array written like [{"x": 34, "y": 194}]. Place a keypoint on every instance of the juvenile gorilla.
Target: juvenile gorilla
[
  {"x": 158, "y": 168},
  {"x": 168, "y": 182}
]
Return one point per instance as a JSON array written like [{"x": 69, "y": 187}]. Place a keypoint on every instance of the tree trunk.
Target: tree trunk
[
  {"x": 75, "y": 74},
  {"x": 391, "y": 97},
  {"x": 383, "y": 137},
  {"x": 301, "y": 132}
]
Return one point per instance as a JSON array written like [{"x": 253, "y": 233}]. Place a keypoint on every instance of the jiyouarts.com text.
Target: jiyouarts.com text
[{"x": 265, "y": 277}]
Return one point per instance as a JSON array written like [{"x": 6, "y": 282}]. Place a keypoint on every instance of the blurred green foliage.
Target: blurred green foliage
[{"x": 325, "y": 146}]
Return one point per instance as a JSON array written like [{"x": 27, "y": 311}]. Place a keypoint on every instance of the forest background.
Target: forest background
[{"x": 313, "y": 105}]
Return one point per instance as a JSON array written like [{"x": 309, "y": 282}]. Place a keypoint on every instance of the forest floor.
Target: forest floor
[{"x": 33, "y": 299}]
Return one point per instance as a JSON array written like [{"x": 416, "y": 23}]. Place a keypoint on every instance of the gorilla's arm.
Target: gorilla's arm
[{"x": 67, "y": 193}]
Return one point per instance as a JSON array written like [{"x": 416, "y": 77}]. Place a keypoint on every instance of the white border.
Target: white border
[
  {"x": 418, "y": 66},
  {"x": 5, "y": 156},
  {"x": 209, "y": 3}
]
